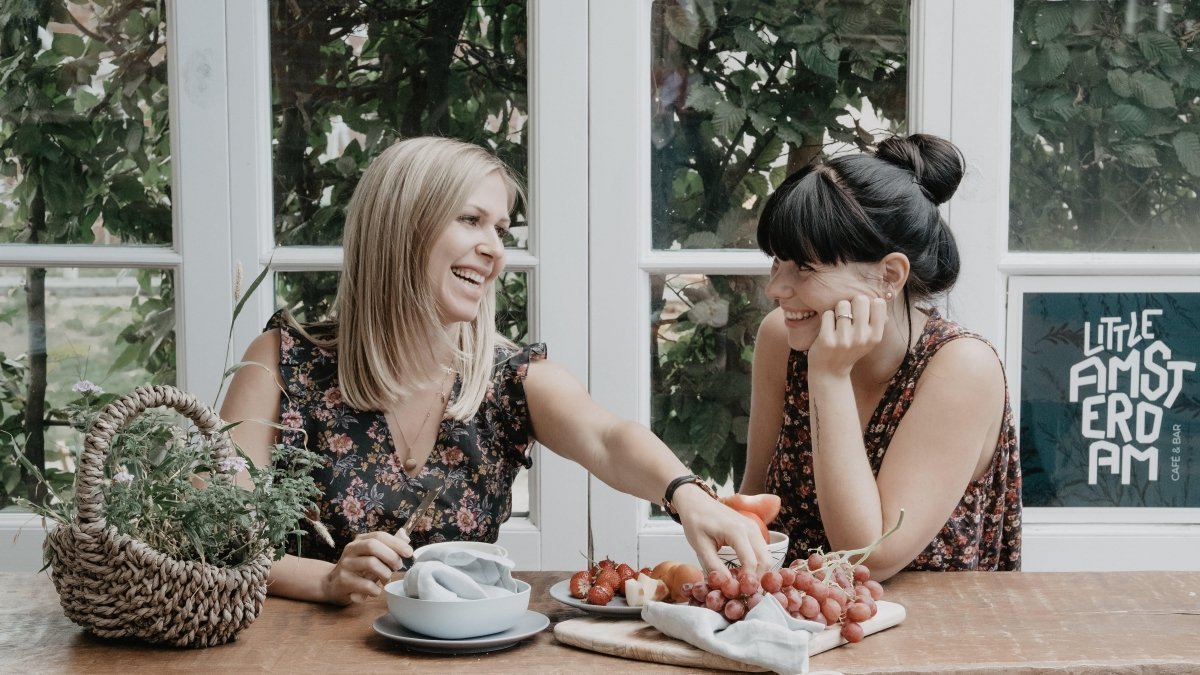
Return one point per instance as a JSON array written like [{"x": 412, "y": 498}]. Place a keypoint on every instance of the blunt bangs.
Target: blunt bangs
[{"x": 812, "y": 218}]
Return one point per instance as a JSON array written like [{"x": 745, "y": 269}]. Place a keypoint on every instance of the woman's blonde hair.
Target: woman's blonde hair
[{"x": 389, "y": 328}]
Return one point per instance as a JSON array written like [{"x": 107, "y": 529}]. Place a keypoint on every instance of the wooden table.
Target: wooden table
[{"x": 961, "y": 622}]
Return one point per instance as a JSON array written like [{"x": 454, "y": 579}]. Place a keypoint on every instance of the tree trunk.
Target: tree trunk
[
  {"x": 427, "y": 113},
  {"x": 35, "y": 405}
]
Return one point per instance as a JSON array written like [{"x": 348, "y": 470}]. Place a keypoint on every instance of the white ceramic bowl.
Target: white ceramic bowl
[
  {"x": 479, "y": 546},
  {"x": 457, "y": 619},
  {"x": 777, "y": 546}
]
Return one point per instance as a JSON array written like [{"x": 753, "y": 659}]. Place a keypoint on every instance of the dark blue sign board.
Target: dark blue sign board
[{"x": 1110, "y": 399}]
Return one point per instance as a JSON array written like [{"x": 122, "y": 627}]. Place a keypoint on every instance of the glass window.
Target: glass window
[
  {"x": 701, "y": 352},
  {"x": 85, "y": 158},
  {"x": 349, "y": 80},
  {"x": 84, "y": 142},
  {"x": 1105, "y": 144},
  {"x": 1109, "y": 398},
  {"x": 744, "y": 93},
  {"x": 309, "y": 296},
  {"x": 747, "y": 91},
  {"x": 70, "y": 336}
]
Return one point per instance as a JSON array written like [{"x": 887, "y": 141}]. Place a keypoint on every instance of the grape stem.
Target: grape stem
[{"x": 865, "y": 552}]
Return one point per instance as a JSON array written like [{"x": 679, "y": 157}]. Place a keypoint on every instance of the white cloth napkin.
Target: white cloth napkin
[
  {"x": 459, "y": 574},
  {"x": 766, "y": 637}
]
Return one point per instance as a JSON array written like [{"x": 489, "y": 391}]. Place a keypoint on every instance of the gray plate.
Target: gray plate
[
  {"x": 562, "y": 593},
  {"x": 531, "y": 623}
]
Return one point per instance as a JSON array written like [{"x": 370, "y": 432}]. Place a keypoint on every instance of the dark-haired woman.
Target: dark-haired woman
[{"x": 866, "y": 401}]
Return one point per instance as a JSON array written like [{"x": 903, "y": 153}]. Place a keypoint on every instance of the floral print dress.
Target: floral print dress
[
  {"x": 363, "y": 486},
  {"x": 984, "y": 530}
]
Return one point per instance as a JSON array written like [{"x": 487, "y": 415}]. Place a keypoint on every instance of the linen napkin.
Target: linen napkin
[
  {"x": 766, "y": 637},
  {"x": 449, "y": 574}
]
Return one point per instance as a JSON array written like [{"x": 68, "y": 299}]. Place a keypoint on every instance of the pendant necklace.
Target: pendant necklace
[{"x": 410, "y": 463}]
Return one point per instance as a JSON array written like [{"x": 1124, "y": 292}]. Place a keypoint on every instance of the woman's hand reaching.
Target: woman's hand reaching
[
  {"x": 708, "y": 525},
  {"x": 366, "y": 566},
  {"x": 849, "y": 332}
]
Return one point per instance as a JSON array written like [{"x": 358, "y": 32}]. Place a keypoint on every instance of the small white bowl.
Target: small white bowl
[
  {"x": 457, "y": 619},
  {"x": 777, "y": 546},
  {"x": 477, "y": 546}
]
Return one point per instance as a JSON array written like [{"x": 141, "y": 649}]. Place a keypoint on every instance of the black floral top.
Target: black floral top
[
  {"x": 363, "y": 486},
  {"x": 984, "y": 530}
]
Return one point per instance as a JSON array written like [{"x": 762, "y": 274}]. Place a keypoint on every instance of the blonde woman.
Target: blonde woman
[{"x": 410, "y": 387}]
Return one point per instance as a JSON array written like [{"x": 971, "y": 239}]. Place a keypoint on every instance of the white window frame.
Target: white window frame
[
  {"x": 621, "y": 250},
  {"x": 1098, "y": 538},
  {"x": 960, "y": 74},
  {"x": 199, "y": 254},
  {"x": 554, "y": 260},
  {"x": 220, "y": 114}
]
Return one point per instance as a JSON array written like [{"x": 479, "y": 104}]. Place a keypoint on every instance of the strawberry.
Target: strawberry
[
  {"x": 599, "y": 595},
  {"x": 608, "y": 577},
  {"x": 580, "y": 584},
  {"x": 606, "y": 564},
  {"x": 624, "y": 572}
]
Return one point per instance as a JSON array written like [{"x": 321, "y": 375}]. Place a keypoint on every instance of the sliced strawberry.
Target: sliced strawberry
[
  {"x": 599, "y": 595},
  {"x": 580, "y": 584}
]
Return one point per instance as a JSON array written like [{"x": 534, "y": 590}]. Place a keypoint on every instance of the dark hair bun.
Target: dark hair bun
[{"x": 936, "y": 164}]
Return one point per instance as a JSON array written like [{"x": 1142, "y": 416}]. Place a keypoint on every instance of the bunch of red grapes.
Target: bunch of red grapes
[{"x": 828, "y": 589}]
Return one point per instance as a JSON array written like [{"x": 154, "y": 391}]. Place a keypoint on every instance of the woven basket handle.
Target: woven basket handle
[{"x": 114, "y": 417}]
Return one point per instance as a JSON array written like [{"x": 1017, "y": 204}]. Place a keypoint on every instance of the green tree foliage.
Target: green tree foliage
[
  {"x": 746, "y": 92},
  {"x": 385, "y": 71},
  {"x": 83, "y": 143},
  {"x": 1105, "y": 134}
]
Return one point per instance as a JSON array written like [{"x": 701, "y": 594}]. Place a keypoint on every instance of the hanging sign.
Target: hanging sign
[{"x": 1110, "y": 399}]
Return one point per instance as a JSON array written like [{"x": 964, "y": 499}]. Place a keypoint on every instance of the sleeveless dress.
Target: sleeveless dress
[
  {"x": 984, "y": 530},
  {"x": 363, "y": 486}
]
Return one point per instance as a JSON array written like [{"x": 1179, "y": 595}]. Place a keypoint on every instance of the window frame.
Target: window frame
[{"x": 220, "y": 115}]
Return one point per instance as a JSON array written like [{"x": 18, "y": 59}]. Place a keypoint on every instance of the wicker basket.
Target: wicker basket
[{"x": 116, "y": 586}]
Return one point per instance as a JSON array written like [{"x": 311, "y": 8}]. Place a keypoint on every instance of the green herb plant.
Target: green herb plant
[{"x": 172, "y": 487}]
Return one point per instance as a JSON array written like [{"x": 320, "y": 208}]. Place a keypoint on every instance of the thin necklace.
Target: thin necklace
[{"x": 411, "y": 463}]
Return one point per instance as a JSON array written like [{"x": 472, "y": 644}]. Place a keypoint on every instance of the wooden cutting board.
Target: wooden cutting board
[{"x": 636, "y": 639}]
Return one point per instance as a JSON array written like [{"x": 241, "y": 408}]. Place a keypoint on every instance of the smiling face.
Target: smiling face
[
  {"x": 468, "y": 255},
  {"x": 805, "y": 292}
]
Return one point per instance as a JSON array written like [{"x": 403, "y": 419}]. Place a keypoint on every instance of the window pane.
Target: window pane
[
  {"x": 309, "y": 296},
  {"x": 1105, "y": 143},
  {"x": 63, "y": 328},
  {"x": 351, "y": 79},
  {"x": 84, "y": 145},
  {"x": 736, "y": 109},
  {"x": 702, "y": 350},
  {"x": 1109, "y": 399}
]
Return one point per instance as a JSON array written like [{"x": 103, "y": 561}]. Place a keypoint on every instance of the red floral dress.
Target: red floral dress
[
  {"x": 364, "y": 488},
  {"x": 984, "y": 530}
]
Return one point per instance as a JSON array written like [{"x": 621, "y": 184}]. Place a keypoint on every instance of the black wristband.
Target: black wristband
[{"x": 674, "y": 485}]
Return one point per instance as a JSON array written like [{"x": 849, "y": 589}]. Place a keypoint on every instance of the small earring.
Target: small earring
[{"x": 889, "y": 295}]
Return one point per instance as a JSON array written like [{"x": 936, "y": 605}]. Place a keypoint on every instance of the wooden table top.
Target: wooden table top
[{"x": 964, "y": 622}]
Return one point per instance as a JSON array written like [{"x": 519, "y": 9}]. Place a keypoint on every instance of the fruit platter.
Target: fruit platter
[{"x": 832, "y": 591}]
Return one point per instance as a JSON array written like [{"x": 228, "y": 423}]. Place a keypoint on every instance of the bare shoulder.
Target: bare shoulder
[
  {"x": 967, "y": 365},
  {"x": 546, "y": 376},
  {"x": 257, "y": 378},
  {"x": 771, "y": 344},
  {"x": 264, "y": 349}
]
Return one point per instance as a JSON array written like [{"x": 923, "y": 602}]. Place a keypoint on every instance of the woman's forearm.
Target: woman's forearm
[
  {"x": 637, "y": 462},
  {"x": 847, "y": 494},
  {"x": 299, "y": 578}
]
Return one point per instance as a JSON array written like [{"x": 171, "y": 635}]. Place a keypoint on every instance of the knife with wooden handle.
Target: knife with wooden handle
[
  {"x": 407, "y": 527},
  {"x": 422, "y": 509}
]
